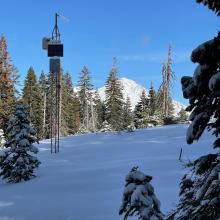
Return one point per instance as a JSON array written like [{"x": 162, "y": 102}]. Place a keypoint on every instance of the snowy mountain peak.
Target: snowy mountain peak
[
  {"x": 130, "y": 89},
  {"x": 133, "y": 90}
]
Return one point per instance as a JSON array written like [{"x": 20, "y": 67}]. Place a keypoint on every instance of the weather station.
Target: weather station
[{"x": 54, "y": 48}]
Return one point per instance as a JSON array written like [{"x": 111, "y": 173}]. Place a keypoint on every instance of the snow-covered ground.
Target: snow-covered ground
[{"x": 85, "y": 181}]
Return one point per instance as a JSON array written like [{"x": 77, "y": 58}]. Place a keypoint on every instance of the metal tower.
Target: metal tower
[{"x": 54, "y": 48}]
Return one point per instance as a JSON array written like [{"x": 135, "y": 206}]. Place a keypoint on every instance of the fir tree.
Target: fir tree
[
  {"x": 152, "y": 101},
  {"x": 8, "y": 78},
  {"x": 114, "y": 100},
  {"x": 99, "y": 110},
  {"x": 43, "y": 91},
  {"x": 159, "y": 102},
  {"x": 139, "y": 198},
  {"x": 141, "y": 111},
  {"x": 200, "y": 189},
  {"x": 85, "y": 88},
  {"x": 48, "y": 110},
  {"x": 17, "y": 164},
  {"x": 66, "y": 96},
  {"x": 70, "y": 105},
  {"x": 32, "y": 99},
  {"x": 93, "y": 118},
  {"x": 155, "y": 107},
  {"x": 105, "y": 126},
  {"x": 53, "y": 91},
  {"x": 77, "y": 118},
  {"x": 182, "y": 116},
  {"x": 128, "y": 117}
]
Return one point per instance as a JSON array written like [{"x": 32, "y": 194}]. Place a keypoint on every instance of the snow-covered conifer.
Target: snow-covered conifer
[
  {"x": 99, "y": 110},
  {"x": 114, "y": 100},
  {"x": 127, "y": 114},
  {"x": 17, "y": 162},
  {"x": 212, "y": 4},
  {"x": 182, "y": 115},
  {"x": 33, "y": 101},
  {"x": 200, "y": 190},
  {"x": 85, "y": 88},
  {"x": 152, "y": 101},
  {"x": 105, "y": 126},
  {"x": 139, "y": 197},
  {"x": 141, "y": 111}
]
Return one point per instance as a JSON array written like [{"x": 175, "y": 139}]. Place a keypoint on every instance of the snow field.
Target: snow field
[{"x": 85, "y": 181}]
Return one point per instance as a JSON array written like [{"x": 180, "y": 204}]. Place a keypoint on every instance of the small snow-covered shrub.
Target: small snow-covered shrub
[
  {"x": 139, "y": 197},
  {"x": 16, "y": 161}
]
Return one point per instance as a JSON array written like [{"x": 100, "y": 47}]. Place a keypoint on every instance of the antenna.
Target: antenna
[
  {"x": 56, "y": 32},
  {"x": 64, "y": 18}
]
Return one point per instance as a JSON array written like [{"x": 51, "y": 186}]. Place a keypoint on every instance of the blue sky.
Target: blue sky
[{"x": 136, "y": 32}]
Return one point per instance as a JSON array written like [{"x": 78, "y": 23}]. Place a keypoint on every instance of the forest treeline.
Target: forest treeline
[{"x": 81, "y": 108}]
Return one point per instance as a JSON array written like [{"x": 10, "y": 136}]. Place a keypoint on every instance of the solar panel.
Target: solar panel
[{"x": 55, "y": 50}]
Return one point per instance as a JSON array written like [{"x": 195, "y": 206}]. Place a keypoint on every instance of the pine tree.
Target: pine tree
[
  {"x": 85, "y": 88},
  {"x": 155, "y": 107},
  {"x": 139, "y": 198},
  {"x": 93, "y": 118},
  {"x": 128, "y": 117},
  {"x": 70, "y": 105},
  {"x": 141, "y": 111},
  {"x": 200, "y": 189},
  {"x": 43, "y": 91},
  {"x": 17, "y": 164},
  {"x": 183, "y": 117},
  {"x": 105, "y": 127},
  {"x": 8, "y": 78},
  {"x": 99, "y": 110},
  {"x": 77, "y": 119},
  {"x": 48, "y": 112},
  {"x": 32, "y": 99},
  {"x": 152, "y": 101},
  {"x": 114, "y": 100},
  {"x": 159, "y": 102},
  {"x": 54, "y": 87}
]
